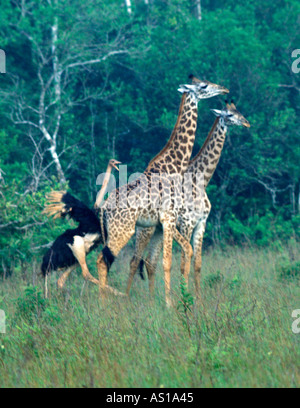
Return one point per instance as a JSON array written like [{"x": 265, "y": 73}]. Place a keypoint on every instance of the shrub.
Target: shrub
[
  {"x": 289, "y": 271},
  {"x": 31, "y": 304}
]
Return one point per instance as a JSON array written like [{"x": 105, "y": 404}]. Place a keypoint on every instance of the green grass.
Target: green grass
[{"x": 240, "y": 337}]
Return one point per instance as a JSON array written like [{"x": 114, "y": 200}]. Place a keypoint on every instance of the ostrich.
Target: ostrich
[{"x": 71, "y": 247}]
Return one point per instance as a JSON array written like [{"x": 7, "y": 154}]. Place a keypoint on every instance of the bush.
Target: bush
[
  {"x": 26, "y": 231},
  {"x": 31, "y": 304},
  {"x": 289, "y": 271}
]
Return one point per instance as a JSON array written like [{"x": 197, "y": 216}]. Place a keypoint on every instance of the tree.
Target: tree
[{"x": 64, "y": 44}]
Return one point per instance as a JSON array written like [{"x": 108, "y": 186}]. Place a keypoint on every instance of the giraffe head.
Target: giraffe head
[
  {"x": 202, "y": 89},
  {"x": 231, "y": 115}
]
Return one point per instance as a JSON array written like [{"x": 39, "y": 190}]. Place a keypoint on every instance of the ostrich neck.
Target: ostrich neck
[{"x": 102, "y": 192}]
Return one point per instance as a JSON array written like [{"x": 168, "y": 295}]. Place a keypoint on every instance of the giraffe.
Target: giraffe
[
  {"x": 192, "y": 219},
  {"x": 132, "y": 204},
  {"x": 120, "y": 220}
]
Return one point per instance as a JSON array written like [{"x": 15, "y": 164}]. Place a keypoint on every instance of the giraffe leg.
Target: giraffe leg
[
  {"x": 105, "y": 259},
  {"x": 62, "y": 280},
  {"x": 143, "y": 236},
  {"x": 182, "y": 262},
  {"x": 187, "y": 251},
  {"x": 79, "y": 252},
  {"x": 197, "y": 244},
  {"x": 198, "y": 265},
  {"x": 156, "y": 245},
  {"x": 167, "y": 264},
  {"x": 183, "y": 232},
  {"x": 169, "y": 227}
]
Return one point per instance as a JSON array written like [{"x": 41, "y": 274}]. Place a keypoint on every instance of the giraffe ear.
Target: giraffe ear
[
  {"x": 186, "y": 88},
  {"x": 217, "y": 112},
  {"x": 182, "y": 89}
]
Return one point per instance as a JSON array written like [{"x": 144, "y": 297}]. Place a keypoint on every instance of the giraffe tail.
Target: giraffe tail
[{"x": 140, "y": 269}]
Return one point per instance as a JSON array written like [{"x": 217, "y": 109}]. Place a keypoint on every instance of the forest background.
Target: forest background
[{"x": 86, "y": 82}]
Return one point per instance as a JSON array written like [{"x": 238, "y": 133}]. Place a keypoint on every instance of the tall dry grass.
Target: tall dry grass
[{"x": 239, "y": 336}]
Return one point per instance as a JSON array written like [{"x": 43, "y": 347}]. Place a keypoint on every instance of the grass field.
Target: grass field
[{"x": 240, "y": 336}]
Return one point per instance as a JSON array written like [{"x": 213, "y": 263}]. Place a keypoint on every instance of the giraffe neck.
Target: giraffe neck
[
  {"x": 175, "y": 156},
  {"x": 208, "y": 157}
]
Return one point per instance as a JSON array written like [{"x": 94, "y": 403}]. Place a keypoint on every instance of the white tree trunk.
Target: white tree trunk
[
  {"x": 56, "y": 70},
  {"x": 128, "y": 6},
  {"x": 57, "y": 88},
  {"x": 54, "y": 66},
  {"x": 197, "y": 9}
]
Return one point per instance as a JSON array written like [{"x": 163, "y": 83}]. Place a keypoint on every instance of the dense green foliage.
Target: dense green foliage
[
  {"x": 242, "y": 338},
  {"x": 125, "y": 106}
]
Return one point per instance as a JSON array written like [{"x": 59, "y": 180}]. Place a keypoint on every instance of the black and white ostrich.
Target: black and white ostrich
[{"x": 71, "y": 247}]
